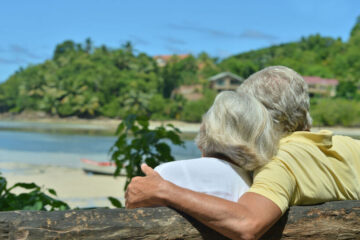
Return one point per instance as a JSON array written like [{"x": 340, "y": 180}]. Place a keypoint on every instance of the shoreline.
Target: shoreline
[
  {"x": 100, "y": 124},
  {"x": 108, "y": 126}
]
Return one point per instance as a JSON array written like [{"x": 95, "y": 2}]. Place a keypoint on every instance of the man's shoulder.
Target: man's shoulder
[
  {"x": 279, "y": 163},
  {"x": 346, "y": 139},
  {"x": 296, "y": 150},
  {"x": 299, "y": 145},
  {"x": 322, "y": 138},
  {"x": 317, "y": 145}
]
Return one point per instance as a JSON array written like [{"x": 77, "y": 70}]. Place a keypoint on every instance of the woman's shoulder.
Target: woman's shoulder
[
  {"x": 207, "y": 175},
  {"x": 202, "y": 169},
  {"x": 195, "y": 163}
]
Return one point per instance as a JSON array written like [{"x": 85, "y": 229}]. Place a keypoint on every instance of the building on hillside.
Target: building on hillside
[
  {"x": 321, "y": 86},
  {"x": 162, "y": 60},
  {"x": 189, "y": 92},
  {"x": 225, "y": 81}
]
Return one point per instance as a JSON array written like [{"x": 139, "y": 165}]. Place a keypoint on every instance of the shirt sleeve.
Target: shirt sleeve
[
  {"x": 357, "y": 142},
  {"x": 173, "y": 172},
  {"x": 275, "y": 182}
]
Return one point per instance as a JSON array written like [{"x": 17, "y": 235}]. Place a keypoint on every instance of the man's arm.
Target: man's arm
[{"x": 249, "y": 218}]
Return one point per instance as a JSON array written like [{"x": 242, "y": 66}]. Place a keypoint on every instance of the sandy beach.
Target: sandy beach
[{"x": 72, "y": 185}]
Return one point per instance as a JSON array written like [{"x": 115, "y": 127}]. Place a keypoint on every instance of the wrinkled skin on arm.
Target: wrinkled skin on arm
[{"x": 247, "y": 219}]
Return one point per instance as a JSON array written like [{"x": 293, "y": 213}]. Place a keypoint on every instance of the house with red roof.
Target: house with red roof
[{"x": 321, "y": 86}]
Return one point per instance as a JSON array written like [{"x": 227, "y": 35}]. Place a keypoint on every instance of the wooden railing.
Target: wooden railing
[{"x": 332, "y": 220}]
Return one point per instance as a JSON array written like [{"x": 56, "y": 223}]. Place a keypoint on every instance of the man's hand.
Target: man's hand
[
  {"x": 145, "y": 191},
  {"x": 249, "y": 218}
]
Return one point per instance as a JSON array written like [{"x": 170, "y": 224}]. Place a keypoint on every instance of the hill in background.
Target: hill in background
[{"x": 87, "y": 81}]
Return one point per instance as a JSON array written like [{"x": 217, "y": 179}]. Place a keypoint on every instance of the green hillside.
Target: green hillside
[
  {"x": 311, "y": 56},
  {"x": 87, "y": 81}
]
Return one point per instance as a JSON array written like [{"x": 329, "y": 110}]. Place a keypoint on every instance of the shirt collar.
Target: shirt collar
[{"x": 322, "y": 138}]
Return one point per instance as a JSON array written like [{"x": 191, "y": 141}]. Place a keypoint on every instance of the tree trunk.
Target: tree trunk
[{"x": 332, "y": 220}]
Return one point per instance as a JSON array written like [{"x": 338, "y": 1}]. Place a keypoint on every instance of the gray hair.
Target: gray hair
[
  {"x": 284, "y": 93},
  {"x": 239, "y": 127}
]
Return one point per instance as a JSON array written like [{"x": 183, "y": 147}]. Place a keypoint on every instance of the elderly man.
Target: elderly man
[{"x": 309, "y": 168}]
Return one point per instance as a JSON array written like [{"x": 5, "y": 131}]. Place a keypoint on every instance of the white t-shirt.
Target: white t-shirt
[{"x": 207, "y": 175}]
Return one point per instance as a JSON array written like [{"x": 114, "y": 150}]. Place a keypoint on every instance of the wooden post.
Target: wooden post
[{"x": 332, "y": 220}]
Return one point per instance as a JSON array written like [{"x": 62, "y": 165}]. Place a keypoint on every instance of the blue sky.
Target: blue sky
[{"x": 30, "y": 30}]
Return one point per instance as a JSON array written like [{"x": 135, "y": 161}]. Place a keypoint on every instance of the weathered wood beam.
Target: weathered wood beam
[{"x": 333, "y": 220}]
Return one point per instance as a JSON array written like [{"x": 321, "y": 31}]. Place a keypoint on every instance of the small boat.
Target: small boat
[{"x": 99, "y": 168}]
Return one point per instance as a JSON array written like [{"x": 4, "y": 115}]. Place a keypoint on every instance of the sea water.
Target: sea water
[{"x": 59, "y": 149}]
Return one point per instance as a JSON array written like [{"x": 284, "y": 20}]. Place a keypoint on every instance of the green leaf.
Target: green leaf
[
  {"x": 63, "y": 207},
  {"x": 38, "y": 205},
  {"x": 120, "y": 128},
  {"x": 26, "y": 186},
  {"x": 115, "y": 202},
  {"x": 129, "y": 121},
  {"x": 163, "y": 148},
  {"x": 150, "y": 162},
  {"x": 174, "y": 138},
  {"x": 3, "y": 184},
  {"x": 52, "y": 191}
]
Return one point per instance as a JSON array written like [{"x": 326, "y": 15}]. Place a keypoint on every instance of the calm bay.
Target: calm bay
[{"x": 48, "y": 147}]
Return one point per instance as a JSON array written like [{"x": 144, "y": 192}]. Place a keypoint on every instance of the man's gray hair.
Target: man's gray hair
[
  {"x": 239, "y": 127},
  {"x": 284, "y": 93}
]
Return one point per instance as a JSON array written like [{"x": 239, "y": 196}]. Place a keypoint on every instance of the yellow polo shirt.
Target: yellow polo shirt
[{"x": 311, "y": 168}]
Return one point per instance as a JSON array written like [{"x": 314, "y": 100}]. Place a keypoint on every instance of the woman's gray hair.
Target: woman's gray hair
[
  {"x": 285, "y": 94},
  {"x": 239, "y": 127}
]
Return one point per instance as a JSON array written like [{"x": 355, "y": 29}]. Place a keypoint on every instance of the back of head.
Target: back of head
[
  {"x": 239, "y": 127},
  {"x": 284, "y": 93}
]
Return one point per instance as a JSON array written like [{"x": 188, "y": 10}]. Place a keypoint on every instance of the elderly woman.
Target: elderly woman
[{"x": 236, "y": 136}]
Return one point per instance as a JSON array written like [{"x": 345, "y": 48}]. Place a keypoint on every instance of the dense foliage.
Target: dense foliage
[
  {"x": 32, "y": 198},
  {"x": 337, "y": 111},
  {"x": 311, "y": 56},
  {"x": 137, "y": 144},
  {"x": 86, "y": 81}
]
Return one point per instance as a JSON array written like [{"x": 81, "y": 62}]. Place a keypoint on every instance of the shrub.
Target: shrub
[
  {"x": 137, "y": 144},
  {"x": 331, "y": 112},
  {"x": 194, "y": 110},
  {"x": 32, "y": 200}
]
